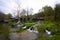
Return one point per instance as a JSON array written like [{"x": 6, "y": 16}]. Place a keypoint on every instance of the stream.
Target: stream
[{"x": 25, "y": 35}]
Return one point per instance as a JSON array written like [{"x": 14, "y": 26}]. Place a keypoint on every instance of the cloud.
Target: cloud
[
  {"x": 11, "y": 5},
  {"x": 7, "y": 6}
]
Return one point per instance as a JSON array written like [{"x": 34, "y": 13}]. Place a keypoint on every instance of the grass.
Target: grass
[
  {"x": 54, "y": 37},
  {"x": 51, "y": 26},
  {"x": 29, "y": 24},
  {"x": 19, "y": 30},
  {"x": 48, "y": 26},
  {"x": 4, "y": 31}
]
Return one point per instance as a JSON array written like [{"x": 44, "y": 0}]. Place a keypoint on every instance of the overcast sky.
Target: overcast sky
[{"x": 11, "y": 5}]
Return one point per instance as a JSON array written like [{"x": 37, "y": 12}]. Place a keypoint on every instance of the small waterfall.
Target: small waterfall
[{"x": 48, "y": 32}]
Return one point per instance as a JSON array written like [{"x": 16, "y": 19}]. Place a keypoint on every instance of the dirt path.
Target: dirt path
[{"x": 25, "y": 35}]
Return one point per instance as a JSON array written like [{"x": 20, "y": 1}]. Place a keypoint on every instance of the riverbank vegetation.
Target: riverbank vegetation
[{"x": 51, "y": 24}]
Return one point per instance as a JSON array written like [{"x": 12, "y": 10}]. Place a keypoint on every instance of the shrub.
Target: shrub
[
  {"x": 47, "y": 26},
  {"x": 4, "y": 30}
]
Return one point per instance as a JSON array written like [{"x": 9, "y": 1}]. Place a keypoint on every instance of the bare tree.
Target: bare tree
[
  {"x": 18, "y": 8},
  {"x": 23, "y": 12},
  {"x": 29, "y": 12}
]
